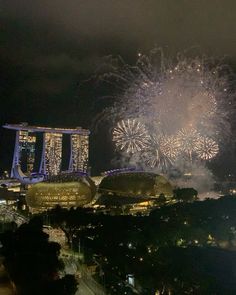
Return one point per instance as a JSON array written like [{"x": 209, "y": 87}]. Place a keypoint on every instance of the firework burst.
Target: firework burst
[
  {"x": 185, "y": 99},
  {"x": 169, "y": 146},
  {"x": 162, "y": 152},
  {"x": 207, "y": 148},
  {"x": 188, "y": 140},
  {"x": 131, "y": 136}
]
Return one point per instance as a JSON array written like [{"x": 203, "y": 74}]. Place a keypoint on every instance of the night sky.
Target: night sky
[{"x": 49, "y": 47}]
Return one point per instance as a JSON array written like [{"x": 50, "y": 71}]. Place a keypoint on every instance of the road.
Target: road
[
  {"x": 87, "y": 284},
  {"x": 12, "y": 215},
  {"x": 88, "y": 288}
]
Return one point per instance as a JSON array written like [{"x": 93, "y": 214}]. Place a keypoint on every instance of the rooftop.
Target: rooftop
[{"x": 26, "y": 127}]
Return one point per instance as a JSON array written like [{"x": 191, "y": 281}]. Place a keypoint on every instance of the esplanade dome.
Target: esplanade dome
[
  {"x": 136, "y": 184},
  {"x": 66, "y": 190}
]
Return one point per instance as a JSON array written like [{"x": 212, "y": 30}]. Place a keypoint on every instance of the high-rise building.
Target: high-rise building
[
  {"x": 27, "y": 143},
  {"x": 24, "y": 153},
  {"x": 52, "y": 154},
  {"x": 79, "y": 152},
  {"x": 51, "y": 159}
]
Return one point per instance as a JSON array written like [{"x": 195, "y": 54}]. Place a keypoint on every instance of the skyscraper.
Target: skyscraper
[
  {"x": 52, "y": 154},
  {"x": 24, "y": 153},
  {"x": 27, "y": 143},
  {"x": 51, "y": 158},
  {"x": 79, "y": 152}
]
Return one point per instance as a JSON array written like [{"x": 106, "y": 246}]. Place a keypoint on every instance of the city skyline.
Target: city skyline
[
  {"x": 47, "y": 56},
  {"x": 141, "y": 199}
]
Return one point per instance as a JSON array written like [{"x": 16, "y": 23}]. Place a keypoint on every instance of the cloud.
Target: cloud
[{"x": 95, "y": 24}]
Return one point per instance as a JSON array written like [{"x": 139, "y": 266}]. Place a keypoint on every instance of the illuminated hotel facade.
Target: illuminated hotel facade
[
  {"x": 27, "y": 150},
  {"x": 52, "y": 153},
  {"x": 79, "y": 152},
  {"x": 51, "y": 158}
]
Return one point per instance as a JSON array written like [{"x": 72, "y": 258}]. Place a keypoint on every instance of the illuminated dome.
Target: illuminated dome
[
  {"x": 66, "y": 190},
  {"x": 136, "y": 184}
]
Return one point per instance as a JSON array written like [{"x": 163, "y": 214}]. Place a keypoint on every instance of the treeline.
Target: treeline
[{"x": 183, "y": 248}]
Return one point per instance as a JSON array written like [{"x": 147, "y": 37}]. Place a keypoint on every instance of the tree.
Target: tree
[
  {"x": 185, "y": 194},
  {"x": 31, "y": 260}
]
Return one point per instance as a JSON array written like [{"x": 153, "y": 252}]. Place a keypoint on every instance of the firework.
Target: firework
[
  {"x": 188, "y": 139},
  {"x": 207, "y": 148},
  {"x": 187, "y": 98},
  {"x": 203, "y": 105},
  {"x": 162, "y": 153},
  {"x": 154, "y": 159},
  {"x": 174, "y": 94},
  {"x": 131, "y": 136},
  {"x": 169, "y": 146}
]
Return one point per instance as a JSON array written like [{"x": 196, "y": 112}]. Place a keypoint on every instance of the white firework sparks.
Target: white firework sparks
[
  {"x": 188, "y": 139},
  {"x": 156, "y": 160},
  {"x": 162, "y": 153},
  {"x": 207, "y": 148},
  {"x": 188, "y": 97},
  {"x": 131, "y": 136},
  {"x": 203, "y": 105},
  {"x": 169, "y": 145}
]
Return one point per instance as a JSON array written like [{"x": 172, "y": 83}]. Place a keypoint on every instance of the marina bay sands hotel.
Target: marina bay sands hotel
[{"x": 51, "y": 156}]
